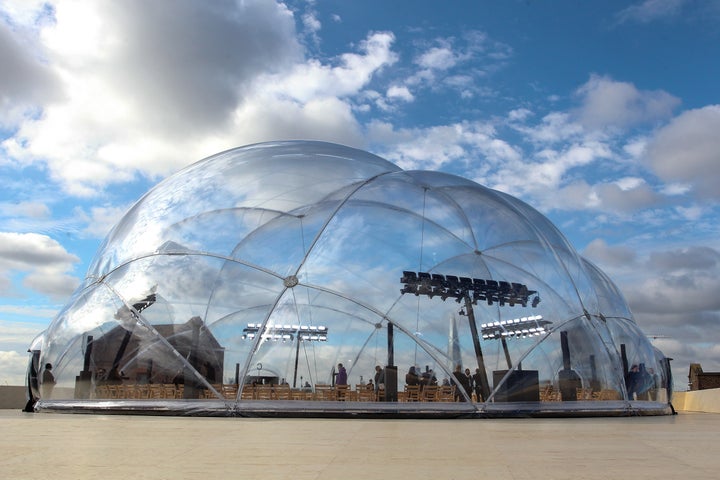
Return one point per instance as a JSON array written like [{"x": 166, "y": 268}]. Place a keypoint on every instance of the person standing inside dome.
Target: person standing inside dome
[
  {"x": 379, "y": 377},
  {"x": 412, "y": 378},
  {"x": 48, "y": 381},
  {"x": 341, "y": 378},
  {"x": 461, "y": 381}
]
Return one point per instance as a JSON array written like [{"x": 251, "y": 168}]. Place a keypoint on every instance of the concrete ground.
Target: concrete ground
[{"x": 104, "y": 447}]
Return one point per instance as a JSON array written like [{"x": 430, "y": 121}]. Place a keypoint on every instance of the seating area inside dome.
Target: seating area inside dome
[{"x": 304, "y": 278}]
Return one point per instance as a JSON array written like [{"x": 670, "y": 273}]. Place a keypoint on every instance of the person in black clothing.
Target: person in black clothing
[
  {"x": 632, "y": 382},
  {"x": 379, "y": 377},
  {"x": 412, "y": 378},
  {"x": 48, "y": 381},
  {"x": 428, "y": 377},
  {"x": 478, "y": 383},
  {"x": 460, "y": 380},
  {"x": 470, "y": 382}
]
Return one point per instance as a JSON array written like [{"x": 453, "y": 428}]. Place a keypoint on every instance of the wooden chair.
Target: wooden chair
[
  {"x": 282, "y": 392},
  {"x": 609, "y": 394},
  {"x": 446, "y": 393},
  {"x": 429, "y": 393},
  {"x": 412, "y": 393},
  {"x": 208, "y": 394},
  {"x": 229, "y": 391},
  {"x": 248, "y": 392},
  {"x": 380, "y": 397},
  {"x": 169, "y": 390},
  {"x": 102, "y": 391},
  {"x": 341, "y": 392},
  {"x": 113, "y": 391},
  {"x": 584, "y": 393},
  {"x": 263, "y": 392},
  {"x": 156, "y": 391},
  {"x": 141, "y": 391},
  {"x": 366, "y": 394}
]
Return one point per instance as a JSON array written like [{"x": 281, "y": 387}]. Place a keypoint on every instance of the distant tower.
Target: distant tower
[{"x": 454, "y": 343}]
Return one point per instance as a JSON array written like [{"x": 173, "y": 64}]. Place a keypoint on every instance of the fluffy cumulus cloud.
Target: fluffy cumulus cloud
[
  {"x": 433, "y": 148},
  {"x": 12, "y": 366},
  {"x": 206, "y": 78},
  {"x": 598, "y": 251},
  {"x": 127, "y": 68},
  {"x": 687, "y": 150},
  {"x": 44, "y": 263},
  {"x": 609, "y": 103},
  {"x": 685, "y": 281}
]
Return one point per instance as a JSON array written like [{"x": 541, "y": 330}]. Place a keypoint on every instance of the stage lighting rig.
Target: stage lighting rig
[{"x": 476, "y": 289}]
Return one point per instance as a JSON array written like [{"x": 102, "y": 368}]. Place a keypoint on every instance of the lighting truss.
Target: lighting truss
[
  {"x": 305, "y": 333},
  {"x": 475, "y": 289},
  {"x": 524, "y": 327}
]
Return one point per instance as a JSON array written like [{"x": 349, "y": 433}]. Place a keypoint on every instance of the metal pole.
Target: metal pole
[
  {"x": 297, "y": 354},
  {"x": 507, "y": 353},
  {"x": 484, "y": 384},
  {"x": 390, "y": 345}
]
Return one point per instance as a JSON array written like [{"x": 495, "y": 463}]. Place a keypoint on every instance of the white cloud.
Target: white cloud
[
  {"x": 13, "y": 366},
  {"x": 680, "y": 283},
  {"x": 400, "y": 93},
  {"x": 313, "y": 80},
  {"x": 148, "y": 101},
  {"x": 687, "y": 258},
  {"x": 26, "y": 80},
  {"x": 43, "y": 261},
  {"x": 609, "y": 103},
  {"x": 458, "y": 63},
  {"x": 311, "y": 22},
  {"x": 687, "y": 150},
  {"x": 554, "y": 127},
  {"x": 467, "y": 145},
  {"x": 101, "y": 220},
  {"x": 25, "y": 209},
  {"x": 650, "y": 10},
  {"x": 437, "y": 58},
  {"x": 519, "y": 115},
  {"x": 598, "y": 251}
]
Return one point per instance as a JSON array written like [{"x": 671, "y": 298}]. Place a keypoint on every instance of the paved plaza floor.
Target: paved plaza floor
[{"x": 79, "y": 446}]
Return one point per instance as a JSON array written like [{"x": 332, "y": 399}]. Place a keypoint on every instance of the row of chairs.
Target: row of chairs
[
  {"x": 139, "y": 391},
  {"x": 322, "y": 392},
  {"x": 427, "y": 393},
  {"x": 551, "y": 394}
]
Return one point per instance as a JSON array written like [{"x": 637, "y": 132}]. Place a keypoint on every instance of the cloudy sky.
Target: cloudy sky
[{"x": 603, "y": 115}]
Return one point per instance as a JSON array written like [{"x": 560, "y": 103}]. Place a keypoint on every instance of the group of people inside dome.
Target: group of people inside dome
[{"x": 464, "y": 379}]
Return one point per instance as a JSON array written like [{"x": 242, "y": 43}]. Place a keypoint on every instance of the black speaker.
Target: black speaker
[
  {"x": 521, "y": 386},
  {"x": 391, "y": 384},
  {"x": 569, "y": 382}
]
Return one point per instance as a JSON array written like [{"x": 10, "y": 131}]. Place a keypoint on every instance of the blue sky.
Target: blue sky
[{"x": 603, "y": 115}]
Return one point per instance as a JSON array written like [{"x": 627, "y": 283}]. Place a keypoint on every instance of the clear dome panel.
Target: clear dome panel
[
  {"x": 216, "y": 231},
  {"x": 273, "y": 177},
  {"x": 87, "y": 310},
  {"x": 642, "y": 368},
  {"x": 398, "y": 191},
  {"x": 364, "y": 250},
  {"x": 609, "y": 301},
  {"x": 550, "y": 234},
  {"x": 281, "y": 245},
  {"x": 584, "y": 369},
  {"x": 309, "y": 332},
  {"x": 494, "y": 224}
]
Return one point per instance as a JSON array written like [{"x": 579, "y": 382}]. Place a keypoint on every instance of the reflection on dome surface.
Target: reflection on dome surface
[{"x": 308, "y": 278}]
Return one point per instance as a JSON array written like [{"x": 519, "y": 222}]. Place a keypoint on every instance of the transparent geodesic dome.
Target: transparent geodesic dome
[{"x": 308, "y": 278}]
